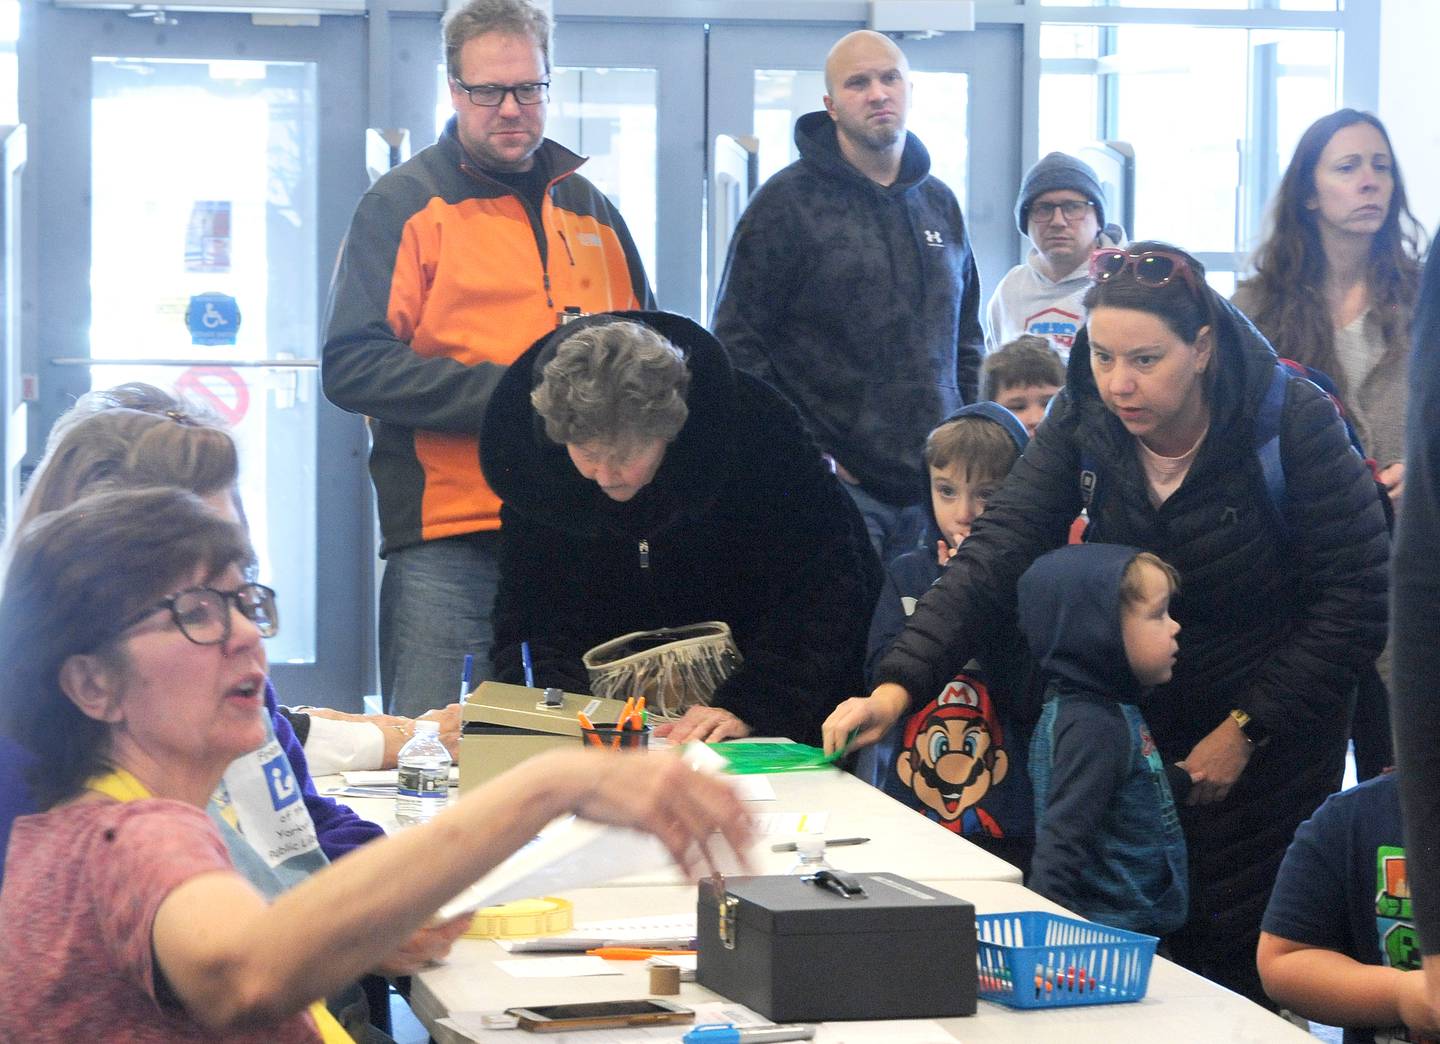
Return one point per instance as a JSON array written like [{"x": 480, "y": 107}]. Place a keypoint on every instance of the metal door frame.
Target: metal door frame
[{"x": 55, "y": 94}]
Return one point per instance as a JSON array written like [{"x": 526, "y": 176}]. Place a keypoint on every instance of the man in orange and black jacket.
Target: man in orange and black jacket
[{"x": 455, "y": 262}]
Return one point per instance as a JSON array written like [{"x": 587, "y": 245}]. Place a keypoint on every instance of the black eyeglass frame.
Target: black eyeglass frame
[
  {"x": 1033, "y": 211},
  {"x": 248, "y": 609},
  {"x": 542, "y": 87}
]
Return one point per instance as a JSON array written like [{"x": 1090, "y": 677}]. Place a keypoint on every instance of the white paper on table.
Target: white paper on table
[
  {"x": 384, "y": 777},
  {"x": 790, "y": 823},
  {"x": 911, "y": 1031},
  {"x": 658, "y": 931},
  {"x": 753, "y": 788},
  {"x": 557, "y": 967},
  {"x": 570, "y": 853},
  {"x": 470, "y": 1024}
]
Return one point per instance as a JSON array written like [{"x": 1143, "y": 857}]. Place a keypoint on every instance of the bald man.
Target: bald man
[{"x": 851, "y": 288}]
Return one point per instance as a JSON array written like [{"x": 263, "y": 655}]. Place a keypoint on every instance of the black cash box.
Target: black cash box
[{"x": 797, "y": 949}]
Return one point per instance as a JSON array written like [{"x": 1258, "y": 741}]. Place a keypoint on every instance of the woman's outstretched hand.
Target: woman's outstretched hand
[
  {"x": 861, "y": 720},
  {"x": 661, "y": 795}
]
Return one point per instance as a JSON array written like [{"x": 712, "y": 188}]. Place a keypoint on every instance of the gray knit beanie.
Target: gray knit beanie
[{"x": 1058, "y": 171}]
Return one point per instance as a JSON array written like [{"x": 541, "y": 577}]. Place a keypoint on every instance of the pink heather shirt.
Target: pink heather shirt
[
  {"x": 77, "y": 910},
  {"x": 1163, "y": 475}
]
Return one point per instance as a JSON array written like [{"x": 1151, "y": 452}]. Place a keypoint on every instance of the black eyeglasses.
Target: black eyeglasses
[
  {"x": 1153, "y": 268},
  {"x": 203, "y": 613},
  {"x": 492, "y": 95},
  {"x": 1071, "y": 208}
]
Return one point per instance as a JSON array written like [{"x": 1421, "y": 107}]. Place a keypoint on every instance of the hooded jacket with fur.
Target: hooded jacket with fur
[{"x": 743, "y": 522}]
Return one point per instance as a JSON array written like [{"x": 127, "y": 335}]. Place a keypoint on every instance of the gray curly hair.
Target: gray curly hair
[
  {"x": 613, "y": 382},
  {"x": 478, "y": 17}
]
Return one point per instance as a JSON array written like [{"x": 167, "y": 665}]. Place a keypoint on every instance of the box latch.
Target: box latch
[
  {"x": 846, "y": 886},
  {"x": 726, "y": 907}
]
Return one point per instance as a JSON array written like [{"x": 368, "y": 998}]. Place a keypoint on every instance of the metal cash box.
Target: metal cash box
[{"x": 837, "y": 946}]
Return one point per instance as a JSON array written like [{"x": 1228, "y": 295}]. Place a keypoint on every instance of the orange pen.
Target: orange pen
[
  {"x": 585, "y": 724},
  {"x": 633, "y": 953}
]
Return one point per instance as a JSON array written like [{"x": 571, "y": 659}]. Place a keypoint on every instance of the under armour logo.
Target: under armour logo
[
  {"x": 1229, "y": 516},
  {"x": 933, "y": 238}
]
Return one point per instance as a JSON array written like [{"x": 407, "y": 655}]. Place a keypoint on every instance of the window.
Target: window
[{"x": 1212, "y": 114}]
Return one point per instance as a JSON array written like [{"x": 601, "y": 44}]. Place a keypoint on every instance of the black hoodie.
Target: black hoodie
[
  {"x": 743, "y": 522},
  {"x": 859, "y": 303}
]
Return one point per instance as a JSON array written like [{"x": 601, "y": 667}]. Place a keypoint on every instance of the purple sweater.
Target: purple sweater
[{"x": 338, "y": 828}]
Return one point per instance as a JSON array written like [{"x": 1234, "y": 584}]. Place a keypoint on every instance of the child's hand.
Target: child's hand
[{"x": 946, "y": 551}]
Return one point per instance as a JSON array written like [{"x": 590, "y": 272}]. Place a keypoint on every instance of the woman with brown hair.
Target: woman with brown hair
[
  {"x": 135, "y": 672},
  {"x": 1334, "y": 288},
  {"x": 1336, "y": 279}
]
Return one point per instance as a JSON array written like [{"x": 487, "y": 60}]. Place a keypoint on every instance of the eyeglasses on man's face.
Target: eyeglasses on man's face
[
  {"x": 203, "y": 613},
  {"x": 492, "y": 95},
  {"x": 1072, "y": 209}
]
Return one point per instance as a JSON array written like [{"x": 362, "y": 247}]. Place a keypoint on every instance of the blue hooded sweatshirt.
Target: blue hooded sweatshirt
[
  {"x": 960, "y": 758},
  {"x": 1108, "y": 843}
]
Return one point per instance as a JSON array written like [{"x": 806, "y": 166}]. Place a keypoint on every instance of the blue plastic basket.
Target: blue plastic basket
[{"x": 1031, "y": 959}]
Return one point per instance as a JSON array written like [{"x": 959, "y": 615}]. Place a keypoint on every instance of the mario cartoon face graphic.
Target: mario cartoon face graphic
[{"x": 953, "y": 754}]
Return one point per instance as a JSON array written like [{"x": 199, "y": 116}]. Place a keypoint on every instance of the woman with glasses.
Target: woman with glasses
[
  {"x": 134, "y": 669},
  {"x": 1155, "y": 431},
  {"x": 1334, "y": 288},
  {"x": 277, "y": 827}
]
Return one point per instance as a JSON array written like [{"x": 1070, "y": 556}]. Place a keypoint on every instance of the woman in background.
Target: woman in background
[{"x": 1334, "y": 288}]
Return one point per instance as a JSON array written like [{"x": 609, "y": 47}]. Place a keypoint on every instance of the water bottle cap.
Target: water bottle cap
[
  {"x": 810, "y": 845},
  {"x": 426, "y": 727}
]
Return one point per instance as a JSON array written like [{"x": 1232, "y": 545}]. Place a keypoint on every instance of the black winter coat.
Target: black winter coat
[
  {"x": 743, "y": 523},
  {"x": 1275, "y": 622}
]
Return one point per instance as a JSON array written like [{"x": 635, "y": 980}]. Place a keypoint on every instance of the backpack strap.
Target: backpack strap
[{"x": 1267, "y": 442}]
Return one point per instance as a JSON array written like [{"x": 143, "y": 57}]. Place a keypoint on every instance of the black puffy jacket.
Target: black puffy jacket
[
  {"x": 1274, "y": 620},
  {"x": 743, "y": 522}
]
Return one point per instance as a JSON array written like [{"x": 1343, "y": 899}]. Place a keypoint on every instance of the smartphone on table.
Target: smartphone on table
[{"x": 552, "y": 1018}]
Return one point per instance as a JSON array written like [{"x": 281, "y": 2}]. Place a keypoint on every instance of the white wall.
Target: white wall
[{"x": 1409, "y": 89}]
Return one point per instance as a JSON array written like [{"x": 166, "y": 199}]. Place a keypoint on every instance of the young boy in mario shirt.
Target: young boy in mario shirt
[{"x": 960, "y": 759}]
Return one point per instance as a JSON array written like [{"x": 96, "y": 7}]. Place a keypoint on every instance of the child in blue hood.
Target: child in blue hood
[
  {"x": 1108, "y": 843},
  {"x": 960, "y": 758}
]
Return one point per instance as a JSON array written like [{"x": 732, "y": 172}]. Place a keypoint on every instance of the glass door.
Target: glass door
[
  {"x": 194, "y": 256},
  {"x": 966, "y": 110}
]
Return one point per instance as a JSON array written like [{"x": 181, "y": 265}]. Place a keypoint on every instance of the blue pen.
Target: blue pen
[
  {"x": 729, "y": 1033},
  {"x": 465, "y": 676},
  {"x": 528, "y": 665}
]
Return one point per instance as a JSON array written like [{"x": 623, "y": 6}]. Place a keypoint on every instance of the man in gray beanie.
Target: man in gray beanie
[{"x": 1062, "y": 209}]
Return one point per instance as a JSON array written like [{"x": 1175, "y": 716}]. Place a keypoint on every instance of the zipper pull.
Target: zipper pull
[
  {"x": 568, "y": 253},
  {"x": 644, "y": 554},
  {"x": 549, "y": 301}
]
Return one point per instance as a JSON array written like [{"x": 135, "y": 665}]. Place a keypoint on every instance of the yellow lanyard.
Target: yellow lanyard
[{"x": 123, "y": 786}]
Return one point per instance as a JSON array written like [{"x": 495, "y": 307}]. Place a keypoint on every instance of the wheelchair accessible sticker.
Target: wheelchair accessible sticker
[{"x": 212, "y": 319}]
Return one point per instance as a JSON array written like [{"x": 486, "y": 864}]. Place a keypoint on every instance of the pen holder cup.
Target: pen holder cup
[{"x": 608, "y": 737}]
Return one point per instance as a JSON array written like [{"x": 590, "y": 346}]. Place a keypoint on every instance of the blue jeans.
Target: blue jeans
[
  {"x": 436, "y": 599},
  {"x": 893, "y": 531}
]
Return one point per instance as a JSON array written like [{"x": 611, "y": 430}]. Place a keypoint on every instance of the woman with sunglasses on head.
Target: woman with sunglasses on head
[
  {"x": 134, "y": 670},
  {"x": 1334, "y": 288},
  {"x": 1155, "y": 430}
]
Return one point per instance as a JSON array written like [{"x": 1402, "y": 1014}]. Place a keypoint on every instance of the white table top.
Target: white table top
[
  {"x": 901, "y": 841},
  {"x": 1179, "y": 1006}
]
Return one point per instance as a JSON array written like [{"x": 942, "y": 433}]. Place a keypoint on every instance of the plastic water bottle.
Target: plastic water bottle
[
  {"x": 811, "y": 850},
  {"x": 423, "y": 780}
]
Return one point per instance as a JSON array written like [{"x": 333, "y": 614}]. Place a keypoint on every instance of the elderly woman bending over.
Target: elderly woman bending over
[
  {"x": 134, "y": 669},
  {"x": 647, "y": 484}
]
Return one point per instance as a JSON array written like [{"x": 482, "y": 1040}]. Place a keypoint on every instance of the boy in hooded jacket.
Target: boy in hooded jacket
[
  {"x": 959, "y": 759},
  {"x": 1108, "y": 843}
]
